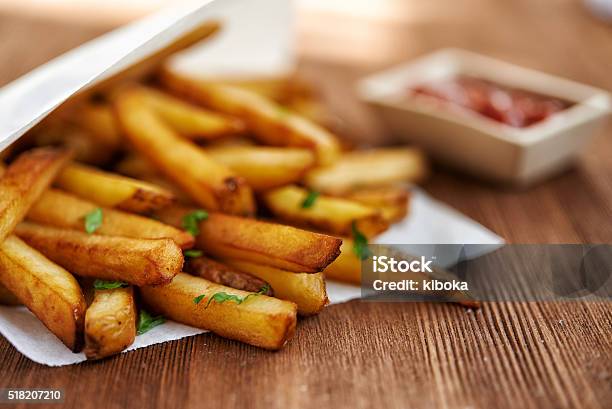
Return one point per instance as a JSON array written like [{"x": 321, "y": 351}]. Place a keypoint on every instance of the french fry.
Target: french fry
[
  {"x": 134, "y": 261},
  {"x": 267, "y": 243},
  {"x": 260, "y": 320},
  {"x": 7, "y": 297},
  {"x": 329, "y": 214},
  {"x": 210, "y": 184},
  {"x": 138, "y": 167},
  {"x": 60, "y": 209},
  {"x": 347, "y": 267},
  {"x": 265, "y": 167},
  {"x": 24, "y": 181},
  {"x": 223, "y": 230},
  {"x": 274, "y": 88},
  {"x": 189, "y": 120},
  {"x": 372, "y": 168},
  {"x": 270, "y": 244},
  {"x": 50, "y": 292},
  {"x": 392, "y": 201},
  {"x": 85, "y": 146},
  {"x": 99, "y": 121},
  {"x": 220, "y": 273},
  {"x": 110, "y": 322},
  {"x": 307, "y": 291},
  {"x": 112, "y": 190},
  {"x": 271, "y": 123}
]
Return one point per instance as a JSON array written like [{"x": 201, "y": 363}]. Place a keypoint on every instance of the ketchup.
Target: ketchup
[{"x": 510, "y": 106}]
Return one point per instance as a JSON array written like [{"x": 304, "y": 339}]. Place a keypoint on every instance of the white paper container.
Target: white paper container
[
  {"x": 476, "y": 144},
  {"x": 29, "y": 99}
]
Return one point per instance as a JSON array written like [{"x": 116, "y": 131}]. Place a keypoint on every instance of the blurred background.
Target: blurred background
[{"x": 350, "y": 38}]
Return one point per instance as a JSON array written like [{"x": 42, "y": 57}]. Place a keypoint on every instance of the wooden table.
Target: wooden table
[{"x": 362, "y": 354}]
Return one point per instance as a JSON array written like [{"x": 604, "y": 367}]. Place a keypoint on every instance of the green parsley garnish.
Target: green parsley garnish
[
  {"x": 93, "y": 220},
  {"x": 193, "y": 253},
  {"x": 310, "y": 199},
  {"x": 191, "y": 220},
  {"x": 222, "y": 297},
  {"x": 108, "y": 285},
  {"x": 146, "y": 322},
  {"x": 360, "y": 246}
]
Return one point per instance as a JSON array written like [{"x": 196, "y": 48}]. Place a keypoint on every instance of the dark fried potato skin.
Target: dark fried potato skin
[
  {"x": 24, "y": 181},
  {"x": 110, "y": 322},
  {"x": 222, "y": 274},
  {"x": 134, "y": 261}
]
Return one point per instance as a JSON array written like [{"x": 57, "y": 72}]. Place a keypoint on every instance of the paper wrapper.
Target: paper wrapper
[{"x": 29, "y": 99}]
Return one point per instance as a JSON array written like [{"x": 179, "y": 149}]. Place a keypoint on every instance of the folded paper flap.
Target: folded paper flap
[{"x": 129, "y": 52}]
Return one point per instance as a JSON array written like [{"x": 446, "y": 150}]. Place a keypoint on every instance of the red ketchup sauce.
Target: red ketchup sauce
[{"x": 510, "y": 106}]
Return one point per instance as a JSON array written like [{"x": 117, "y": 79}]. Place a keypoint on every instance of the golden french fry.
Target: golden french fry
[
  {"x": 85, "y": 146},
  {"x": 189, "y": 120},
  {"x": 220, "y": 273},
  {"x": 306, "y": 290},
  {"x": 7, "y": 297},
  {"x": 274, "y": 88},
  {"x": 60, "y": 209},
  {"x": 24, "y": 181},
  {"x": 49, "y": 291},
  {"x": 100, "y": 122},
  {"x": 260, "y": 320},
  {"x": 269, "y": 244},
  {"x": 347, "y": 267},
  {"x": 110, "y": 322},
  {"x": 329, "y": 214},
  {"x": 271, "y": 123},
  {"x": 371, "y": 168},
  {"x": 265, "y": 167},
  {"x": 136, "y": 166},
  {"x": 134, "y": 261},
  {"x": 209, "y": 183},
  {"x": 112, "y": 190},
  {"x": 311, "y": 109},
  {"x": 392, "y": 201}
]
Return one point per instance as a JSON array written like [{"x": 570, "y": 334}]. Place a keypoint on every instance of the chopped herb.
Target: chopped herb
[
  {"x": 360, "y": 246},
  {"x": 108, "y": 285},
  {"x": 310, "y": 199},
  {"x": 146, "y": 322},
  {"x": 261, "y": 291},
  {"x": 193, "y": 253},
  {"x": 222, "y": 297},
  {"x": 93, "y": 220},
  {"x": 191, "y": 220}
]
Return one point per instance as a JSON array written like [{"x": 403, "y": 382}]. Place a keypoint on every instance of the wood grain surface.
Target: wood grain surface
[{"x": 395, "y": 355}]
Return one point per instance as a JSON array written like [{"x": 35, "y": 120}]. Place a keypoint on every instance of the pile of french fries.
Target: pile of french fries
[{"x": 221, "y": 206}]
